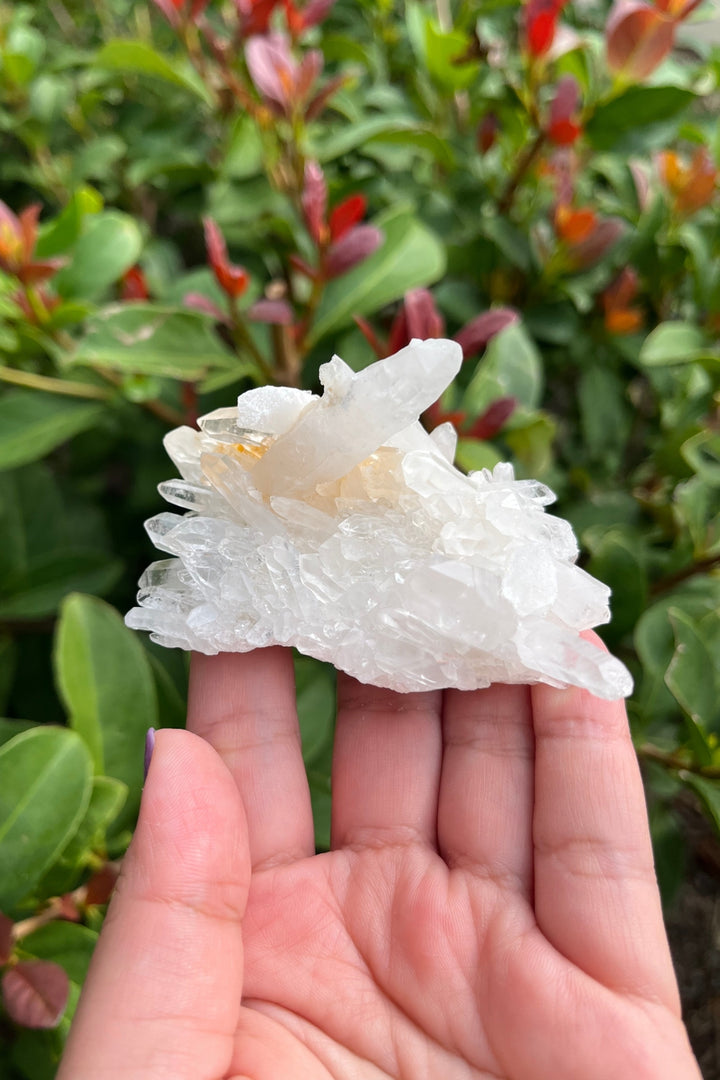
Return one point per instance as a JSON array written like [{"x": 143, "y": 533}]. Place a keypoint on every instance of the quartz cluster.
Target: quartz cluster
[{"x": 337, "y": 524}]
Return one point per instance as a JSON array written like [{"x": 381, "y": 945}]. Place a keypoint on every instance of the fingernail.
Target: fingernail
[{"x": 149, "y": 747}]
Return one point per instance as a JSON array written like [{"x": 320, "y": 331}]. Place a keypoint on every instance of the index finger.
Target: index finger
[{"x": 244, "y": 705}]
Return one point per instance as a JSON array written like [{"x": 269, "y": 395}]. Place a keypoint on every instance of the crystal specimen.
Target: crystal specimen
[{"x": 338, "y": 525}]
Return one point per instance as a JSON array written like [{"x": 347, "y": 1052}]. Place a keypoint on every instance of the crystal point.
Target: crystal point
[{"x": 338, "y": 525}]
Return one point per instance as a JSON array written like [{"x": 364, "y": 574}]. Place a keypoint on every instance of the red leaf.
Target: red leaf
[
  {"x": 487, "y": 132},
  {"x": 254, "y": 16},
  {"x": 354, "y": 246},
  {"x": 28, "y": 222},
  {"x": 277, "y": 312},
  {"x": 133, "y": 285},
  {"x": 637, "y": 38},
  {"x": 101, "y": 884},
  {"x": 318, "y": 103},
  {"x": 563, "y": 127},
  {"x": 35, "y": 272},
  {"x": 603, "y": 237},
  {"x": 314, "y": 202},
  {"x": 35, "y": 993},
  {"x": 233, "y": 280},
  {"x": 540, "y": 18},
  {"x": 6, "y": 938},
  {"x": 474, "y": 337},
  {"x": 493, "y": 419},
  {"x": 302, "y": 267},
  {"x": 346, "y": 214},
  {"x": 422, "y": 316}
]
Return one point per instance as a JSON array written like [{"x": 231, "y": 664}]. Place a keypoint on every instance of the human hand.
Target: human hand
[{"x": 488, "y": 909}]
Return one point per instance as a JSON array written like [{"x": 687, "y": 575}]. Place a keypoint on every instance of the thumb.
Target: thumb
[{"x": 163, "y": 993}]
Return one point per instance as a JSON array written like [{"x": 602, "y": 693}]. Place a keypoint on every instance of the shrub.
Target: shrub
[{"x": 198, "y": 197}]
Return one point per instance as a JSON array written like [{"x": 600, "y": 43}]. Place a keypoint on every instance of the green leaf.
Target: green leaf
[
  {"x": 443, "y": 49},
  {"x": 692, "y": 674},
  {"x": 509, "y": 240},
  {"x": 70, "y": 945},
  {"x": 702, "y": 453},
  {"x": 106, "y": 683},
  {"x": 531, "y": 442},
  {"x": 10, "y": 728},
  {"x": 59, "y": 235},
  {"x": 617, "y": 562},
  {"x": 47, "y": 777},
  {"x": 8, "y": 663},
  {"x": 138, "y": 58},
  {"x": 148, "y": 339},
  {"x": 709, "y": 792},
  {"x": 510, "y": 367},
  {"x": 634, "y": 110},
  {"x": 106, "y": 801},
  {"x": 171, "y": 695},
  {"x": 672, "y": 343},
  {"x": 315, "y": 683},
  {"x": 604, "y": 414},
  {"x": 38, "y": 591},
  {"x": 110, "y": 245},
  {"x": 32, "y": 423},
  {"x": 410, "y": 256},
  {"x": 474, "y": 454}
]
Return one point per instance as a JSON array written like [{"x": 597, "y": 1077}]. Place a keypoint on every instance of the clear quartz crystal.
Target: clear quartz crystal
[{"x": 338, "y": 525}]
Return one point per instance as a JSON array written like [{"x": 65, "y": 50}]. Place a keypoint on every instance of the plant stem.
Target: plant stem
[
  {"x": 524, "y": 162},
  {"x": 164, "y": 412},
  {"x": 53, "y": 386},
  {"x": 677, "y": 761},
  {"x": 666, "y": 584},
  {"x": 244, "y": 339}
]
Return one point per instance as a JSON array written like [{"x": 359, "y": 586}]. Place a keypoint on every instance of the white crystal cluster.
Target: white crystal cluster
[{"x": 338, "y": 525}]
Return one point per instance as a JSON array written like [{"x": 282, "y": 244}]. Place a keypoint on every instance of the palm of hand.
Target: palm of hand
[
  {"x": 488, "y": 910},
  {"x": 385, "y": 963}
]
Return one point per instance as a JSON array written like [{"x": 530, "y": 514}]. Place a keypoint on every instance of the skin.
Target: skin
[{"x": 489, "y": 908}]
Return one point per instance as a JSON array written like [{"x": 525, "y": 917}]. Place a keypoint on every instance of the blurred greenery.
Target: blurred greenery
[{"x": 552, "y": 183}]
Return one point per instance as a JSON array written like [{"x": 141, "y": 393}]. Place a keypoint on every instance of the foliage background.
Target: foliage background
[{"x": 540, "y": 180}]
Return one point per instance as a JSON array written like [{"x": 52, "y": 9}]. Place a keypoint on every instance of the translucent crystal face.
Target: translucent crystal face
[{"x": 338, "y": 525}]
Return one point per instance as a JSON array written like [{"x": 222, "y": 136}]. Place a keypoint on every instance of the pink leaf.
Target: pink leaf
[
  {"x": 198, "y": 302},
  {"x": 310, "y": 67},
  {"x": 474, "y": 337},
  {"x": 277, "y": 312},
  {"x": 563, "y": 127},
  {"x": 35, "y": 993},
  {"x": 314, "y": 201},
  {"x": 272, "y": 67},
  {"x": 638, "y": 37},
  {"x": 351, "y": 249},
  {"x": 423, "y": 318},
  {"x": 169, "y": 10},
  {"x": 314, "y": 12}
]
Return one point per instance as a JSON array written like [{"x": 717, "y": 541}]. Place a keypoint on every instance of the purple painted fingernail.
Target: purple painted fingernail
[{"x": 149, "y": 747}]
